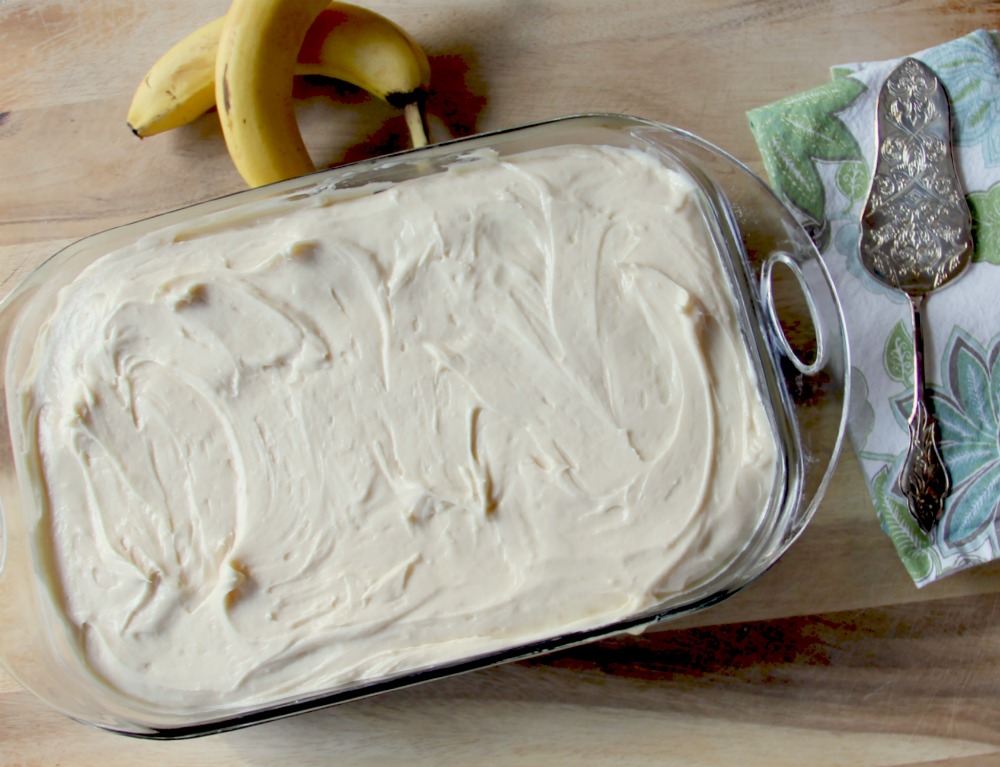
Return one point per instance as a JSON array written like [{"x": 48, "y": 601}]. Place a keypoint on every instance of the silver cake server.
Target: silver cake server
[{"x": 916, "y": 236}]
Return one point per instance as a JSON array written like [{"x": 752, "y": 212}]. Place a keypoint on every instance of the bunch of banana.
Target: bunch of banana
[{"x": 244, "y": 64}]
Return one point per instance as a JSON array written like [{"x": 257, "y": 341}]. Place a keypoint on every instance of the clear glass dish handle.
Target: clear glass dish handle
[{"x": 819, "y": 356}]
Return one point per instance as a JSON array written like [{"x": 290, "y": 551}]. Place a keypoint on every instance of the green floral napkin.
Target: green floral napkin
[{"x": 818, "y": 149}]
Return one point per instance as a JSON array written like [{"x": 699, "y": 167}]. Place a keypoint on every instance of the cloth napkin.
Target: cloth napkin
[{"x": 818, "y": 149}]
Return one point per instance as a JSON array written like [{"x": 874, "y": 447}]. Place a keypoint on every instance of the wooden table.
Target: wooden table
[{"x": 833, "y": 657}]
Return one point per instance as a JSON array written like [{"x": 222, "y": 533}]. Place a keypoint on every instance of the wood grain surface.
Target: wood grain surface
[{"x": 832, "y": 658}]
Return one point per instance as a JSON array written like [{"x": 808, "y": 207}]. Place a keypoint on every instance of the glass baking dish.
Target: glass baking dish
[{"x": 777, "y": 282}]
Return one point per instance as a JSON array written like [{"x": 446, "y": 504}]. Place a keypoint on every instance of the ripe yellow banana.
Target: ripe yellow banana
[
  {"x": 254, "y": 67},
  {"x": 180, "y": 86},
  {"x": 345, "y": 42}
]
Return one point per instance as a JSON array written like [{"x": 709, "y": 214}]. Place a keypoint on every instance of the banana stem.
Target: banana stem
[{"x": 415, "y": 123}]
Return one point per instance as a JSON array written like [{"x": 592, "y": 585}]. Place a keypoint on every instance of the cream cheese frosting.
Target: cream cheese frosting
[{"x": 288, "y": 453}]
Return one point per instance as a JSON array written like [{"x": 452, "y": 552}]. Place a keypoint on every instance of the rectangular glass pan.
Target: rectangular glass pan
[{"x": 803, "y": 391}]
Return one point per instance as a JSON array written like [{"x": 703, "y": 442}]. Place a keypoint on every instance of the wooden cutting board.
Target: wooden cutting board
[{"x": 832, "y": 657}]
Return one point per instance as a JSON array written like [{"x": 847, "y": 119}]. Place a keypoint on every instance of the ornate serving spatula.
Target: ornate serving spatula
[{"x": 916, "y": 236}]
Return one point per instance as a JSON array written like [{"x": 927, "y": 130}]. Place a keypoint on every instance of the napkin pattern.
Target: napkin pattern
[{"x": 818, "y": 149}]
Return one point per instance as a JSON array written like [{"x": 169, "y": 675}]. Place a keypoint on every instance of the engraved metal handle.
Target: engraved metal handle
[{"x": 924, "y": 479}]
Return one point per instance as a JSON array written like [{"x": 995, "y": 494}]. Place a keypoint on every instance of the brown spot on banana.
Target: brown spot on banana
[{"x": 225, "y": 89}]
